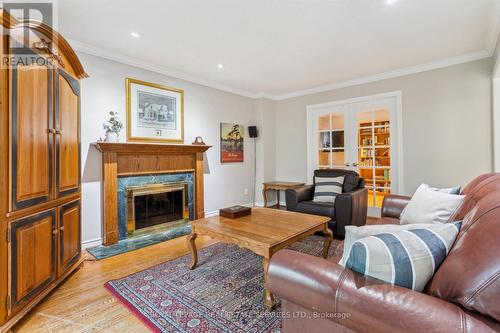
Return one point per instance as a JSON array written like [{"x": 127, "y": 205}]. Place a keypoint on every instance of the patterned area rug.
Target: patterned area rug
[{"x": 224, "y": 293}]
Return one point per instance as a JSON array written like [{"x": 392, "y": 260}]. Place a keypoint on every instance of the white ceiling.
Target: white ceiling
[{"x": 281, "y": 47}]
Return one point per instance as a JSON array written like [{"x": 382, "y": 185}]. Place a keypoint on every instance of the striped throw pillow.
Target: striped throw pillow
[
  {"x": 327, "y": 188},
  {"x": 407, "y": 258}
]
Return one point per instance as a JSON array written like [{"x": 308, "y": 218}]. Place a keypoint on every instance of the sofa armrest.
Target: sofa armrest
[
  {"x": 351, "y": 209},
  {"x": 294, "y": 196},
  {"x": 393, "y": 205},
  {"x": 360, "y": 303}
]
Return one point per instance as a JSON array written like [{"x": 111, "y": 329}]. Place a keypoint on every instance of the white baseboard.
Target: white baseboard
[
  {"x": 210, "y": 214},
  {"x": 272, "y": 203},
  {"x": 91, "y": 243}
]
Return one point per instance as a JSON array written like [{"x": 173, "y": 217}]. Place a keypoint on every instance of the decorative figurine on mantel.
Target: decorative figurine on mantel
[{"x": 113, "y": 126}]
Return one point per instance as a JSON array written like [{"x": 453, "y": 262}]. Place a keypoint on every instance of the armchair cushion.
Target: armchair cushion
[{"x": 317, "y": 208}]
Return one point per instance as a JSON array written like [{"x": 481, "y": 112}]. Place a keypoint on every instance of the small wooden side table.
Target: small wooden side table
[{"x": 278, "y": 186}]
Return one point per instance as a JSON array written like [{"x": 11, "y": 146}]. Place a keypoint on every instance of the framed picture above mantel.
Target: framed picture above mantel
[{"x": 155, "y": 113}]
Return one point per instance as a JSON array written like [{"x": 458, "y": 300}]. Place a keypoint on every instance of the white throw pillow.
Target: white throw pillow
[
  {"x": 450, "y": 190},
  {"x": 430, "y": 206}
]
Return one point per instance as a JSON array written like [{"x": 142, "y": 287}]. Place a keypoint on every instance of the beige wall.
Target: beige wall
[
  {"x": 265, "y": 120},
  {"x": 204, "y": 109},
  {"x": 447, "y": 124}
]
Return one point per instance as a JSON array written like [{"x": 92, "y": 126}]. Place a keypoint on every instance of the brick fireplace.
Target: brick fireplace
[{"x": 148, "y": 174}]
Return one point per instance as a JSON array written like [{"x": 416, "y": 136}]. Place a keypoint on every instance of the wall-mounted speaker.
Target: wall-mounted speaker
[{"x": 252, "y": 131}]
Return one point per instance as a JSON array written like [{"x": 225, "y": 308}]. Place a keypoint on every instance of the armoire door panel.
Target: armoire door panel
[
  {"x": 68, "y": 133},
  {"x": 32, "y": 255},
  {"x": 69, "y": 235},
  {"x": 31, "y": 139}
]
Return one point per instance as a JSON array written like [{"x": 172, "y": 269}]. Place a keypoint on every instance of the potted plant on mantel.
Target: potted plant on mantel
[{"x": 113, "y": 126}]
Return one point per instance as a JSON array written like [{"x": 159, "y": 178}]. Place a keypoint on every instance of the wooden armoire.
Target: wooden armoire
[{"x": 40, "y": 168}]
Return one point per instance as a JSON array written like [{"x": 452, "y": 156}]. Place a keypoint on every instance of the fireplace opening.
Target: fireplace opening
[
  {"x": 158, "y": 208},
  {"x": 152, "y": 205}
]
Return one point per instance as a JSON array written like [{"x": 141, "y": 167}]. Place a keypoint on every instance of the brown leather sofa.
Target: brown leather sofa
[
  {"x": 350, "y": 207},
  {"x": 319, "y": 295}
]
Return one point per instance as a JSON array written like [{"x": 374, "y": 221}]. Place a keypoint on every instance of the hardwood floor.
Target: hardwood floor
[{"x": 81, "y": 304}]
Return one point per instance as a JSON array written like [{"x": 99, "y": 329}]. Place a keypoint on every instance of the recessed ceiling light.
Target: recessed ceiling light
[
  {"x": 135, "y": 34},
  {"x": 220, "y": 66},
  {"x": 391, "y": 2}
]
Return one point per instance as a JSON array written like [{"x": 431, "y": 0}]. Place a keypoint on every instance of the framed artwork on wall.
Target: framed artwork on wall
[
  {"x": 155, "y": 112},
  {"x": 231, "y": 143}
]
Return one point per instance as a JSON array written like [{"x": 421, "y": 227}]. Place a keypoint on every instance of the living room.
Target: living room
[{"x": 250, "y": 166}]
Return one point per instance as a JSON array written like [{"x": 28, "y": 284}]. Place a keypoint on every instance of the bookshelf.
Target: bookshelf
[{"x": 374, "y": 158}]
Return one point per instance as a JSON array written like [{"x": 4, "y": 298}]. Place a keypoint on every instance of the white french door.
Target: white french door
[{"x": 362, "y": 135}]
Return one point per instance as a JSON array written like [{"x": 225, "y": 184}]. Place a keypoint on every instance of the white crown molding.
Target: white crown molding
[
  {"x": 494, "y": 30},
  {"x": 491, "y": 45},
  {"x": 389, "y": 75},
  {"x": 493, "y": 36},
  {"x": 110, "y": 55}
]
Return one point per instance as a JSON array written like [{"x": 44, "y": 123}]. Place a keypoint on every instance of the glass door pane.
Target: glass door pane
[
  {"x": 366, "y": 152},
  {"x": 338, "y": 159},
  {"x": 331, "y": 141},
  {"x": 324, "y": 142},
  {"x": 382, "y": 144},
  {"x": 374, "y": 153}
]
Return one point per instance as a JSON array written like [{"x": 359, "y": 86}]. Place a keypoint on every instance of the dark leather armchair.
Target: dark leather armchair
[
  {"x": 319, "y": 295},
  {"x": 350, "y": 207}
]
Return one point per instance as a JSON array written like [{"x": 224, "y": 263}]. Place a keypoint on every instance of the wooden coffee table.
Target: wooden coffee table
[{"x": 264, "y": 232}]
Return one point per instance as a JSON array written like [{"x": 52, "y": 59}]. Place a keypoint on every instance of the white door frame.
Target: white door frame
[
  {"x": 496, "y": 122},
  {"x": 399, "y": 130}
]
